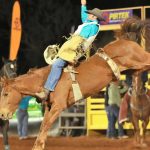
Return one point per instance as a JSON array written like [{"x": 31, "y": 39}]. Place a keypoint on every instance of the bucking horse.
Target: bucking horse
[{"x": 92, "y": 75}]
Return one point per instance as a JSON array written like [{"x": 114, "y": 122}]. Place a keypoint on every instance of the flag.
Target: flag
[{"x": 16, "y": 30}]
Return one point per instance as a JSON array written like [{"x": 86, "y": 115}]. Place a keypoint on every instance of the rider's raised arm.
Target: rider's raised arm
[
  {"x": 83, "y": 2},
  {"x": 84, "y": 15}
]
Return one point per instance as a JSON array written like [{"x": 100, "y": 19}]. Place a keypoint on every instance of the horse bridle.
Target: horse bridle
[{"x": 11, "y": 73}]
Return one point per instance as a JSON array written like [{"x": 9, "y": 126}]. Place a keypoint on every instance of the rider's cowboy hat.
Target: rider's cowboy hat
[
  {"x": 50, "y": 53},
  {"x": 96, "y": 12}
]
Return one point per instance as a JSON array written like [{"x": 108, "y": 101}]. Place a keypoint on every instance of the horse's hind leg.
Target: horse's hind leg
[
  {"x": 144, "y": 125},
  {"x": 136, "y": 130},
  {"x": 49, "y": 118}
]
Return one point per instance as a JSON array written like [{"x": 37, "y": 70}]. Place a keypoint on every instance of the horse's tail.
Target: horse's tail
[
  {"x": 147, "y": 34},
  {"x": 132, "y": 29}
]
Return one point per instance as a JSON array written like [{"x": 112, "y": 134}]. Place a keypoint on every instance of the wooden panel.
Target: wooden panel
[
  {"x": 97, "y": 121},
  {"x": 110, "y": 27}
]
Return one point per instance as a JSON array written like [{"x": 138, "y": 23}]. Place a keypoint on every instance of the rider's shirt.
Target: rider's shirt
[
  {"x": 114, "y": 93},
  {"x": 89, "y": 29}
]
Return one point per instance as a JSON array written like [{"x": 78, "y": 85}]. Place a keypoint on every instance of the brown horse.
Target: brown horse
[
  {"x": 140, "y": 108},
  {"x": 93, "y": 75}
]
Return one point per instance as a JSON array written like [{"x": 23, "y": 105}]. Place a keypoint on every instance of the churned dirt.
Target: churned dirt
[{"x": 76, "y": 143}]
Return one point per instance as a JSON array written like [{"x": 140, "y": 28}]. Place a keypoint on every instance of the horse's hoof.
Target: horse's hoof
[
  {"x": 137, "y": 145},
  {"x": 144, "y": 145},
  {"x": 38, "y": 147},
  {"x": 141, "y": 145},
  {"x": 7, "y": 147}
]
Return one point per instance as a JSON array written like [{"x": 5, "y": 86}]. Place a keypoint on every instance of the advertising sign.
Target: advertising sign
[{"x": 116, "y": 17}]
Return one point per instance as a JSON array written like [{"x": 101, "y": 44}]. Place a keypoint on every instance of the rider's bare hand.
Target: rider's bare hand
[{"x": 83, "y": 2}]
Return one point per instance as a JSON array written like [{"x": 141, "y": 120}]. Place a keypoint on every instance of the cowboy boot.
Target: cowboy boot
[{"x": 43, "y": 94}]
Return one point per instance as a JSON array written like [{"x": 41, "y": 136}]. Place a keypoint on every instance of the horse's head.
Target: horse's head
[{"x": 9, "y": 100}]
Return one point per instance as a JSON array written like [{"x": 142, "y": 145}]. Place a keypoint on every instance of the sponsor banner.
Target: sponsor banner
[{"x": 116, "y": 16}]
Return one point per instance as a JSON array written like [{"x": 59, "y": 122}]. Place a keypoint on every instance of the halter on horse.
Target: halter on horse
[
  {"x": 8, "y": 70},
  {"x": 93, "y": 75}
]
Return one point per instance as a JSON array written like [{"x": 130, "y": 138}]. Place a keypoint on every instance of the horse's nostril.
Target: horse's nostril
[
  {"x": 9, "y": 116},
  {"x": 1, "y": 115}
]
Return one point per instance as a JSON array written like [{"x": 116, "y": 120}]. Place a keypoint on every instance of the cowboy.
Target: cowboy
[{"x": 86, "y": 33}]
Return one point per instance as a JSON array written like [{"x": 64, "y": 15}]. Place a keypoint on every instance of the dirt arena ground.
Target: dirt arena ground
[{"x": 76, "y": 143}]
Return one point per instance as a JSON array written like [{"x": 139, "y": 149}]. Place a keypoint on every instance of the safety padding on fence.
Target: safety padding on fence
[
  {"x": 96, "y": 114},
  {"x": 97, "y": 118}
]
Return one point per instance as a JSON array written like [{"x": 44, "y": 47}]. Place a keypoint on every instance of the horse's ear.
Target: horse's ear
[
  {"x": 3, "y": 79},
  {"x": 0, "y": 80}
]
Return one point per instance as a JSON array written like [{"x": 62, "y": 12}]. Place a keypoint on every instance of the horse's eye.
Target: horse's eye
[{"x": 5, "y": 94}]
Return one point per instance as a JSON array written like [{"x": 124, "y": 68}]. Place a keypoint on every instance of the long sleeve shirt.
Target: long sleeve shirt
[
  {"x": 25, "y": 102},
  {"x": 114, "y": 93},
  {"x": 88, "y": 30}
]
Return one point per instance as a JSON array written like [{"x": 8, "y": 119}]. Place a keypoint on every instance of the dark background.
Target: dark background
[{"x": 45, "y": 22}]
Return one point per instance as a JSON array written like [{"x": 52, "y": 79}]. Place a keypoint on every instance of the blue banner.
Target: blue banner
[{"x": 116, "y": 17}]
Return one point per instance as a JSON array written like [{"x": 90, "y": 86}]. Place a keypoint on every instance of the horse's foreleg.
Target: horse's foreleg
[
  {"x": 49, "y": 118},
  {"x": 5, "y": 132}
]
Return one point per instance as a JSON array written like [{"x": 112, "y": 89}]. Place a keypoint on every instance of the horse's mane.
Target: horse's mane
[
  {"x": 39, "y": 72},
  {"x": 134, "y": 29},
  {"x": 32, "y": 72}
]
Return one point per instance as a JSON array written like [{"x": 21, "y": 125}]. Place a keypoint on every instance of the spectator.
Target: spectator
[
  {"x": 106, "y": 97},
  {"x": 114, "y": 100},
  {"x": 22, "y": 116}
]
